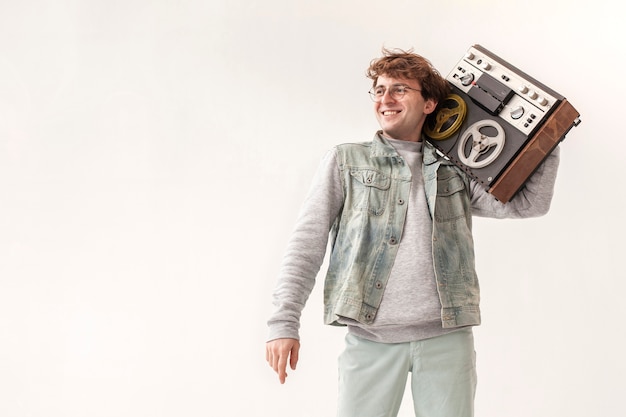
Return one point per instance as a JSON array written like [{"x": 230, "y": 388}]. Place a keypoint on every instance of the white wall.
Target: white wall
[{"x": 153, "y": 157}]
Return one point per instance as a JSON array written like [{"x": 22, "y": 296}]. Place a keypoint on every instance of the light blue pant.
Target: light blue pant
[{"x": 373, "y": 376}]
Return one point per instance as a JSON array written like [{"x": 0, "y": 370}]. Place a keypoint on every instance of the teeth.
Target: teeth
[{"x": 389, "y": 113}]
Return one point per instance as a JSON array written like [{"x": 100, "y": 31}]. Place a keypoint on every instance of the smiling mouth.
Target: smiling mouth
[{"x": 390, "y": 112}]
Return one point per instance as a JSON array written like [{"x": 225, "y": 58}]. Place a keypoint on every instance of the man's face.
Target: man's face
[{"x": 402, "y": 118}]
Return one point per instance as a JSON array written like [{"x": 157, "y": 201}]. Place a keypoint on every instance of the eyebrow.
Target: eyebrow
[{"x": 394, "y": 85}]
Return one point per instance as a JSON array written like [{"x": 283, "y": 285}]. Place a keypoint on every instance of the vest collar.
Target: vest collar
[
  {"x": 430, "y": 153},
  {"x": 382, "y": 148}
]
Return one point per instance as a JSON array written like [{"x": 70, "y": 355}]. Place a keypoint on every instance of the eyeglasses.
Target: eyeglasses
[{"x": 396, "y": 92}]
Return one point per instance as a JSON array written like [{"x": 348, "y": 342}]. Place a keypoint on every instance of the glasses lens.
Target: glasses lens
[
  {"x": 377, "y": 93},
  {"x": 396, "y": 92}
]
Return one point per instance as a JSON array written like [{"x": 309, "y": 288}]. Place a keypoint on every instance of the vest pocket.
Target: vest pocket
[
  {"x": 370, "y": 190},
  {"x": 451, "y": 200}
]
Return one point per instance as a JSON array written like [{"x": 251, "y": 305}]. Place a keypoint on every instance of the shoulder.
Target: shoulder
[
  {"x": 348, "y": 146},
  {"x": 349, "y": 151}
]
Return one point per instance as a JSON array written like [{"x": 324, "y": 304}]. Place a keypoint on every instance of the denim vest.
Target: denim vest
[{"x": 367, "y": 232}]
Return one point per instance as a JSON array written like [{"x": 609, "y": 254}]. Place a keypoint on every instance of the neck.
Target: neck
[{"x": 409, "y": 139}]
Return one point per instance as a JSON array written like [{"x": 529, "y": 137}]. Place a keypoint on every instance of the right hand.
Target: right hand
[{"x": 278, "y": 352}]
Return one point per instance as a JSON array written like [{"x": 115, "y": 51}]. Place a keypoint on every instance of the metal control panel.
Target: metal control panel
[{"x": 503, "y": 90}]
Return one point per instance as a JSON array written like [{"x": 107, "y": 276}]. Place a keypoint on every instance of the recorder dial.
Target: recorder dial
[
  {"x": 467, "y": 79},
  {"x": 517, "y": 112}
]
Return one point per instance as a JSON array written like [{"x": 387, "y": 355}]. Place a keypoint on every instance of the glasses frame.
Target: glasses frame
[{"x": 396, "y": 95}]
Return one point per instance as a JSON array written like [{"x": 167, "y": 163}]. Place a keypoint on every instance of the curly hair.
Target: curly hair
[{"x": 398, "y": 63}]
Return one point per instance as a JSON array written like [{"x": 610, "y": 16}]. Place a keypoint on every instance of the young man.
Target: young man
[{"x": 401, "y": 274}]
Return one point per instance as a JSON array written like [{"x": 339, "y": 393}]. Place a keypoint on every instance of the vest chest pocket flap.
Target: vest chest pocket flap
[{"x": 370, "y": 190}]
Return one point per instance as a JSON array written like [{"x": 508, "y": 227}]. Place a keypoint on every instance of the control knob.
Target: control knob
[
  {"x": 467, "y": 79},
  {"x": 517, "y": 112}
]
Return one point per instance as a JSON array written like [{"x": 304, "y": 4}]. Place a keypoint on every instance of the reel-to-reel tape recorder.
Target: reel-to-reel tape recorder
[{"x": 498, "y": 124}]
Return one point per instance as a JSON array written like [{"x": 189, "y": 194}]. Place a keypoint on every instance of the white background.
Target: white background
[{"x": 154, "y": 155}]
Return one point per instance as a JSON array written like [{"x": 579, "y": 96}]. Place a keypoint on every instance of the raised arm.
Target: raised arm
[{"x": 533, "y": 200}]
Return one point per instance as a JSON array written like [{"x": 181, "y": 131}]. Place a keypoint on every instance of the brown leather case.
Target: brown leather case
[{"x": 536, "y": 150}]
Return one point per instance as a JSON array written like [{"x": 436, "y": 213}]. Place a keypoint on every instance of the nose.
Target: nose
[{"x": 387, "y": 98}]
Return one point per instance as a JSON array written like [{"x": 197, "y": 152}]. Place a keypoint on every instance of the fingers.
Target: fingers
[
  {"x": 295, "y": 352},
  {"x": 280, "y": 351},
  {"x": 281, "y": 367}
]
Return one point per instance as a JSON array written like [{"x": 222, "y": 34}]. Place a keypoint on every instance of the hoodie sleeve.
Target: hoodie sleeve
[{"x": 306, "y": 249}]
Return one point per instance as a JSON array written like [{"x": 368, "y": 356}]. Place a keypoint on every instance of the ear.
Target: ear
[{"x": 429, "y": 106}]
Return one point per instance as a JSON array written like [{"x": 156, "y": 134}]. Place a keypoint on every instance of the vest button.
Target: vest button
[
  {"x": 379, "y": 285},
  {"x": 393, "y": 241},
  {"x": 400, "y": 201}
]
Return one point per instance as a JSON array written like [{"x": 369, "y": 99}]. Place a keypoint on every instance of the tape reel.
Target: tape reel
[
  {"x": 484, "y": 148},
  {"x": 448, "y": 119}
]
